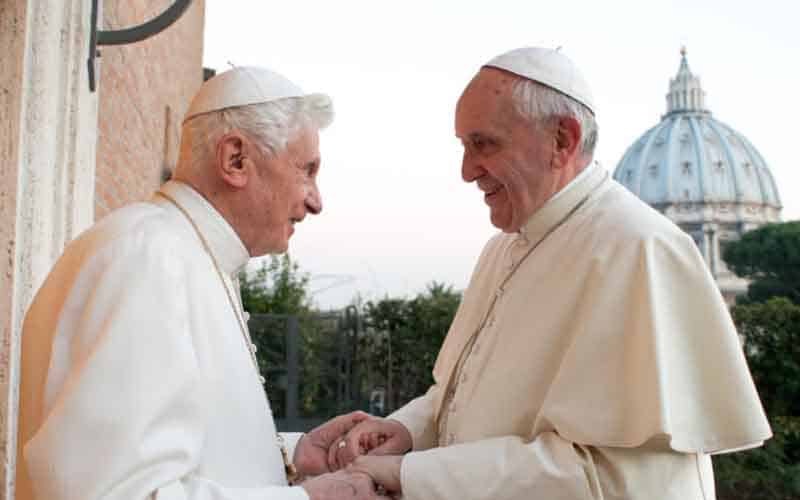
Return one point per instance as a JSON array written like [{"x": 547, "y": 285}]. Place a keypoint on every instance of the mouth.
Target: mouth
[
  {"x": 489, "y": 195},
  {"x": 292, "y": 223}
]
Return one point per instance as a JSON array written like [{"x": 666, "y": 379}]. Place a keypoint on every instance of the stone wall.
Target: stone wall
[
  {"x": 144, "y": 90},
  {"x": 49, "y": 133},
  {"x": 47, "y": 157},
  {"x": 12, "y": 46}
]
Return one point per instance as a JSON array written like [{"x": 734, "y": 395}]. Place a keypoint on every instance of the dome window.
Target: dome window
[
  {"x": 720, "y": 165},
  {"x": 687, "y": 168},
  {"x": 654, "y": 170},
  {"x": 628, "y": 176}
]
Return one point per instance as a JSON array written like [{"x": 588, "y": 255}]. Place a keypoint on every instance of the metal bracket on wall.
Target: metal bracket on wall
[{"x": 129, "y": 35}]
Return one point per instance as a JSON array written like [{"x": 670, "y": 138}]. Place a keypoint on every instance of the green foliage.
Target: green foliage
[
  {"x": 277, "y": 297},
  {"x": 770, "y": 257},
  {"x": 771, "y": 333},
  {"x": 769, "y": 321},
  {"x": 768, "y": 473},
  {"x": 277, "y": 287},
  {"x": 404, "y": 337}
]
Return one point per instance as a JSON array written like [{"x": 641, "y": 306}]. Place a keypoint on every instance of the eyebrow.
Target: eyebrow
[{"x": 482, "y": 135}]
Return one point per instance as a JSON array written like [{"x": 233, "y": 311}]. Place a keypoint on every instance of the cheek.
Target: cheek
[
  {"x": 299, "y": 193},
  {"x": 505, "y": 171}
]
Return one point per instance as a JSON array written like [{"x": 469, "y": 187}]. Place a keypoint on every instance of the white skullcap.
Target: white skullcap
[
  {"x": 548, "y": 67},
  {"x": 241, "y": 86}
]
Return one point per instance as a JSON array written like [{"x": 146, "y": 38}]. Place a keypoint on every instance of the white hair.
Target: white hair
[
  {"x": 538, "y": 103},
  {"x": 271, "y": 125}
]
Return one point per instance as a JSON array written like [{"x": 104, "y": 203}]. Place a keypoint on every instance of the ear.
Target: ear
[
  {"x": 233, "y": 164},
  {"x": 567, "y": 140}
]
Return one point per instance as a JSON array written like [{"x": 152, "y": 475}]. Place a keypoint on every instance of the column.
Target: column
[{"x": 47, "y": 160}]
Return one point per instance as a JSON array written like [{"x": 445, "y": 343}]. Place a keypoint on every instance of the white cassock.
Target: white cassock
[
  {"x": 606, "y": 367},
  {"x": 136, "y": 379}
]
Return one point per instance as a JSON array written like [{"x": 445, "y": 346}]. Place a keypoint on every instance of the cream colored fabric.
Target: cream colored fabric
[
  {"x": 609, "y": 363},
  {"x": 136, "y": 380},
  {"x": 548, "y": 67},
  {"x": 241, "y": 86}
]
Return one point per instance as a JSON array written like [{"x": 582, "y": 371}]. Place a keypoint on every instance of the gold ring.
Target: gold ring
[{"x": 342, "y": 444}]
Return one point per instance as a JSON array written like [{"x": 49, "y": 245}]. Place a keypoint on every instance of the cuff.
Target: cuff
[
  {"x": 416, "y": 416},
  {"x": 290, "y": 440}
]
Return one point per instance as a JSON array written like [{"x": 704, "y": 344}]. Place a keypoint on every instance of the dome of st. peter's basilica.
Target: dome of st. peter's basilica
[{"x": 702, "y": 174}]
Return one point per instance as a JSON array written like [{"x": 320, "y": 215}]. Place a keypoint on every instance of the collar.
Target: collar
[
  {"x": 571, "y": 184},
  {"x": 562, "y": 202},
  {"x": 226, "y": 245}
]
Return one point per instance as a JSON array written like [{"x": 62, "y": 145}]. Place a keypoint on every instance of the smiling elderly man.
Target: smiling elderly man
[
  {"x": 592, "y": 356},
  {"x": 139, "y": 379}
]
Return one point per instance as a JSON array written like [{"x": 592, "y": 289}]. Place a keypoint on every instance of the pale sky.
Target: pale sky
[{"x": 396, "y": 213}]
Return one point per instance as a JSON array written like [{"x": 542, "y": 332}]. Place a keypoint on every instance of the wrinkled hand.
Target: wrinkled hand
[
  {"x": 373, "y": 436},
  {"x": 342, "y": 485},
  {"x": 384, "y": 470},
  {"x": 311, "y": 452}
]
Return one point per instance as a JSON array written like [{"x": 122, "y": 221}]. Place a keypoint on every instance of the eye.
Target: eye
[
  {"x": 481, "y": 144},
  {"x": 310, "y": 169}
]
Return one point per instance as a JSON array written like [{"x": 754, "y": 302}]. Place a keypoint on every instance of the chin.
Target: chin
[
  {"x": 272, "y": 249},
  {"x": 500, "y": 224},
  {"x": 279, "y": 249}
]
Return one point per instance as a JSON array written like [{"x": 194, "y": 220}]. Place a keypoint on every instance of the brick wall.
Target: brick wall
[{"x": 144, "y": 89}]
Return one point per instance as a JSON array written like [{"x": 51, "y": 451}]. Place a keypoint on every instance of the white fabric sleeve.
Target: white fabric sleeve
[
  {"x": 290, "y": 440},
  {"x": 125, "y": 404},
  {"x": 554, "y": 469},
  {"x": 418, "y": 417}
]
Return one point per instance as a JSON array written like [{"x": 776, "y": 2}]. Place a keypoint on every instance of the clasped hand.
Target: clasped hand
[{"x": 357, "y": 445}]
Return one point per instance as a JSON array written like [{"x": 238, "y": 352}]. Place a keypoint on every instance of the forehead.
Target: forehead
[
  {"x": 305, "y": 143},
  {"x": 486, "y": 103}
]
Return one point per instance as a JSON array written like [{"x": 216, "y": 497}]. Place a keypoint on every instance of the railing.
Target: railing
[{"x": 311, "y": 366}]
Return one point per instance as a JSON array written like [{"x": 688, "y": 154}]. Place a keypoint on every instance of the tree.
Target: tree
[
  {"x": 768, "y": 319},
  {"x": 770, "y": 257},
  {"x": 275, "y": 295},
  {"x": 771, "y": 332},
  {"x": 277, "y": 287},
  {"x": 403, "y": 339}
]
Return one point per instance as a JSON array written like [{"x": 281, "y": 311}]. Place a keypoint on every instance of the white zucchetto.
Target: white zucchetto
[
  {"x": 241, "y": 86},
  {"x": 548, "y": 67}
]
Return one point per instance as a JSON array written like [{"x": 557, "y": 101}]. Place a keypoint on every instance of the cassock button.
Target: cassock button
[
  {"x": 262, "y": 379},
  {"x": 490, "y": 321},
  {"x": 253, "y": 348},
  {"x": 499, "y": 293},
  {"x": 246, "y": 316},
  {"x": 464, "y": 377},
  {"x": 451, "y": 438}
]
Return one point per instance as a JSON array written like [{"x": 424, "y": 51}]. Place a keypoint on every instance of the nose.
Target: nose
[
  {"x": 469, "y": 170},
  {"x": 313, "y": 199}
]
